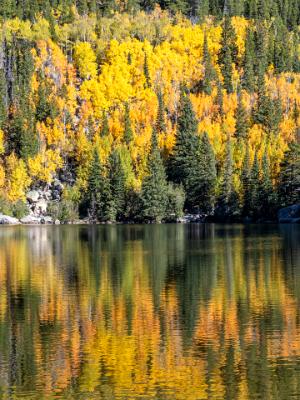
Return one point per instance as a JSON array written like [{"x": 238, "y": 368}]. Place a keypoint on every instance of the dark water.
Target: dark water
[{"x": 150, "y": 312}]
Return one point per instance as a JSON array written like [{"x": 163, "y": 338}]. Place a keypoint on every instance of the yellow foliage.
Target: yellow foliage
[
  {"x": 2, "y": 176},
  {"x": 1, "y": 142},
  {"x": 85, "y": 60},
  {"x": 44, "y": 165},
  {"x": 19, "y": 180}
]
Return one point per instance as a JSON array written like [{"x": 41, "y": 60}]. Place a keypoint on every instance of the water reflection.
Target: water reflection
[{"x": 150, "y": 312}]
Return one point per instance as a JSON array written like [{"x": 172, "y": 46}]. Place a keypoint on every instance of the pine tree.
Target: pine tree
[
  {"x": 246, "y": 183},
  {"x": 267, "y": 197},
  {"x": 187, "y": 142},
  {"x": 105, "y": 127},
  {"x": 154, "y": 187},
  {"x": 248, "y": 80},
  {"x": 128, "y": 134},
  {"x": 267, "y": 112},
  {"x": 209, "y": 71},
  {"x": 100, "y": 204},
  {"x": 226, "y": 69},
  {"x": 94, "y": 187},
  {"x": 289, "y": 178},
  {"x": 160, "y": 125},
  {"x": 242, "y": 123},
  {"x": 227, "y": 53},
  {"x": 207, "y": 175},
  {"x": 203, "y": 9},
  {"x": 220, "y": 99},
  {"x": 3, "y": 96},
  {"x": 227, "y": 204},
  {"x": 201, "y": 181},
  {"x": 146, "y": 72},
  {"x": 254, "y": 188},
  {"x": 117, "y": 183}
]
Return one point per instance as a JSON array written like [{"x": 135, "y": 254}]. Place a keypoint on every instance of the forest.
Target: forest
[{"x": 143, "y": 111}]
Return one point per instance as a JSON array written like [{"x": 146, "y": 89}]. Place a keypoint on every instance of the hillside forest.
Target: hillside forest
[{"x": 136, "y": 111}]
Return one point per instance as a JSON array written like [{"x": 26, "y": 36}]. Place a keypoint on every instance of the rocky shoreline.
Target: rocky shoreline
[{"x": 287, "y": 215}]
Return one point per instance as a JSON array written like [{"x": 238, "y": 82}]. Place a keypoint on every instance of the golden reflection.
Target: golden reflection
[{"x": 155, "y": 312}]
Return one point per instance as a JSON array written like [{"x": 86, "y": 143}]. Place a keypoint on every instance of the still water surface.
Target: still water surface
[{"x": 150, "y": 312}]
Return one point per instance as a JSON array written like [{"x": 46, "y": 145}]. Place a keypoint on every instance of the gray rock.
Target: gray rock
[
  {"x": 57, "y": 222},
  {"x": 7, "y": 220},
  {"x": 41, "y": 207},
  {"x": 57, "y": 185},
  {"x": 33, "y": 196},
  {"x": 30, "y": 220},
  {"x": 289, "y": 215},
  {"x": 46, "y": 220}
]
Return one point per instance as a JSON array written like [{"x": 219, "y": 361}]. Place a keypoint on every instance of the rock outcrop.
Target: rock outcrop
[{"x": 7, "y": 220}]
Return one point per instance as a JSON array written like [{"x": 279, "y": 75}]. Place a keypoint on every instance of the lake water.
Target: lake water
[{"x": 150, "y": 312}]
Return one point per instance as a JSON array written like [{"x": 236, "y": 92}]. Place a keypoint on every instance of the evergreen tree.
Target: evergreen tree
[
  {"x": 267, "y": 112},
  {"x": 94, "y": 187},
  {"x": 175, "y": 203},
  {"x": 254, "y": 188},
  {"x": 267, "y": 197},
  {"x": 209, "y": 71},
  {"x": 219, "y": 99},
  {"x": 289, "y": 178},
  {"x": 154, "y": 187},
  {"x": 117, "y": 183},
  {"x": 228, "y": 53},
  {"x": 242, "y": 123},
  {"x": 201, "y": 181},
  {"x": 227, "y": 204},
  {"x": 187, "y": 142},
  {"x": 203, "y": 9},
  {"x": 246, "y": 183},
  {"x": 248, "y": 80},
  {"x": 128, "y": 134},
  {"x": 105, "y": 127},
  {"x": 100, "y": 204},
  {"x": 3, "y": 96},
  {"x": 160, "y": 125},
  {"x": 146, "y": 72}
]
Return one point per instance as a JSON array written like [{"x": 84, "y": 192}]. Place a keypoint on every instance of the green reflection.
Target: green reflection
[{"x": 150, "y": 312}]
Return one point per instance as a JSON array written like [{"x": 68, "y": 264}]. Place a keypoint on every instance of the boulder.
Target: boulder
[
  {"x": 33, "y": 196},
  {"x": 7, "y": 220},
  {"x": 30, "y": 220},
  {"x": 289, "y": 215},
  {"x": 57, "y": 222},
  {"x": 46, "y": 220},
  {"x": 41, "y": 207}
]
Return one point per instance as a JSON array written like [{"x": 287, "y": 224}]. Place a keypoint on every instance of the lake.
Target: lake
[{"x": 150, "y": 312}]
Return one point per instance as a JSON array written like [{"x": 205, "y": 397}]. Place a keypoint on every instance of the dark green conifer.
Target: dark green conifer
[
  {"x": 187, "y": 141},
  {"x": 267, "y": 196},
  {"x": 242, "y": 122},
  {"x": 104, "y": 127},
  {"x": 209, "y": 71},
  {"x": 100, "y": 203},
  {"x": 227, "y": 204},
  {"x": 154, "y": 187},
  {"x": 246, "y": 183},
  {"x": 146, "y": 72},
  {"x": 254, "y": 188},
  {"x": 228, "y": 53},
  {"x": 248, "y": 79},
  {"x": 160, "y": 125},
  {"x": 117, "y": 183},
  {"x": 289, "y": 178},
  {"x": 201, "y": 182}
]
